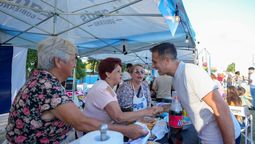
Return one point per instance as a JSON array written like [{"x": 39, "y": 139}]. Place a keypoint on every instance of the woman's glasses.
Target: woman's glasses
[{"x": 139, "y": 72}]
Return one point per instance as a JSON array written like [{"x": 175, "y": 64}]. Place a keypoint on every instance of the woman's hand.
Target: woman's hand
[
  {"x": 135, "y": 131},
  {"x": 153, "y": 111}
]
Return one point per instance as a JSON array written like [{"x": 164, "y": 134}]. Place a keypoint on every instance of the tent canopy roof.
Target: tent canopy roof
[{"x": 96, "y": 27}]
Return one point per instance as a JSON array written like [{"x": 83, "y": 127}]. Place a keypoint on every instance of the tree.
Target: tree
[
  {"x": 231, "y": 67},
  {"x": 93, "y": 65},
  {"x": 31, "y": 62},
  {"x": 80, "y": 69}
]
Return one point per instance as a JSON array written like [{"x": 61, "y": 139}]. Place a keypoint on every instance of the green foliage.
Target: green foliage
[
  {"x": 231, "y": 67},
  {"x": 206, "y": 69},
  {"x": 31, "y": 62},
  {"x": 80, "y": 69},
  {"x": 124, "y": 67},
  {"x": 93, "y": 65}
]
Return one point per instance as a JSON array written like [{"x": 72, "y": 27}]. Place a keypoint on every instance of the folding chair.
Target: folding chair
[{"x": 248, "y": 121}]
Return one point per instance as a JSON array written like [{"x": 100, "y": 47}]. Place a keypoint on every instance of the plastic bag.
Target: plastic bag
[{"x": 160, "y": 129}]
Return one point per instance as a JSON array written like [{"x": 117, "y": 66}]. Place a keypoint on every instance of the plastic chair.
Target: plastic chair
[{"x": 248, "y": 121}]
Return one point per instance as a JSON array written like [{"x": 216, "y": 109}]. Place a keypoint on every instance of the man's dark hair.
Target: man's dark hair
[
  {"x": 237, "y": 73},
  {"x": 129, "y": 65},
  {"x": 165, "y": 49},
  {"x": 251, "y": 68}
]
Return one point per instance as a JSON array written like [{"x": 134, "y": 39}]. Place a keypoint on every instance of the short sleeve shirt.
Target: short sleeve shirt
[
  {"x": 163, "y": 86},
  {"x": 192, "y": 83},
  {"x": 252, "y": 78},
  {"x": 98, "y": 97},
  {"x": 42, "y": 92}
]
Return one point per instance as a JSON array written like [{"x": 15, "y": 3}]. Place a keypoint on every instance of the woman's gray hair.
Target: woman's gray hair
[{"x": 54, "y": 47}]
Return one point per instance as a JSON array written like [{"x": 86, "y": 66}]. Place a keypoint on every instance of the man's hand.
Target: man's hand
[
  {"x": 166, "y": 107},
  {"x": 157, "y": 110},
  {"x": 153, "y": 111}
]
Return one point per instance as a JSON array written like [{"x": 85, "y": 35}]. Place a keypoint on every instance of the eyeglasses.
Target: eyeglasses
[{"x": 139, "y": 72}]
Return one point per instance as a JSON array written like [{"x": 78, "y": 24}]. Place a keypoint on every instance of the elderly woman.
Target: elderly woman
[
  {"x": 101, "y": 101},
  {"x": 135, "y": 94},
  {"x": 41, "y": 111}
]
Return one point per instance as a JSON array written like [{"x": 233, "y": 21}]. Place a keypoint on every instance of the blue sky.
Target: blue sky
[{"x": 226, "y": 28}]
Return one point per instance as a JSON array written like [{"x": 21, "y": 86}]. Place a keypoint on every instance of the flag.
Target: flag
[{"x": 12, "y": 74}]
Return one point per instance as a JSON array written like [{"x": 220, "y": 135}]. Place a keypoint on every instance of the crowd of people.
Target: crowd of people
[
  {"x": 43, "y": 113},
  {"x": 243, "y": 85}
]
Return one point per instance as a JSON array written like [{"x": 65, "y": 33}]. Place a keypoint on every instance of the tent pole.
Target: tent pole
[
  {"x": 74, "y": 83},
  {"x": 90, "y": 34},
  {"x": 18, "y": 31},
  {"x": 51, "y": 5},
  {"x": 20, "y": 38},
  {"x": 95, "y": 5},
  {"x": 24, "y": 22},
  {"x": 150, "y": 44},
  {"x": 55, "y": 17},
  {"x": 74, "y": 97},
  {"x": 140, "y": 58},
  {"x": 111, "y": 14},
  {"x": 25, "y": 7},
  {"x": 28, "y": 29}
]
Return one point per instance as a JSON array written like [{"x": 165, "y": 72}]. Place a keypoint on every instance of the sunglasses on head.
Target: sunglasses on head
[{"x": 139, "y": 72}]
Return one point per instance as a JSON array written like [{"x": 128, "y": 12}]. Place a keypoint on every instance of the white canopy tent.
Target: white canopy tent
[{"x": 96, "y": 27}]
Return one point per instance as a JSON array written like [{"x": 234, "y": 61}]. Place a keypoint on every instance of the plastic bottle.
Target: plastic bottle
[{"x": 175, "y": 120}]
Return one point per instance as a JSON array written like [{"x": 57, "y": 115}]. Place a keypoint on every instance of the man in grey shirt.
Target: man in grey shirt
[
  {"x": 162, "y": 85},
  {"x": 198, "y": 95}
]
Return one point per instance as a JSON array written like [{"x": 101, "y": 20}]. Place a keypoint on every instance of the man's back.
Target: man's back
[
  {"x": 163, "y": 85},
  {"x": 198, "y": 95},
  {"x": 189, "y": 82}
]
